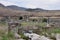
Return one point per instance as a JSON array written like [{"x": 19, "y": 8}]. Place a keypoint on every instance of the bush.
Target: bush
[
  {"x": 44, "y": 20},
  {"x": 10, "y": 35},
  {"x": 34, "y": 20},
  {"x": 4, "y": 37}
]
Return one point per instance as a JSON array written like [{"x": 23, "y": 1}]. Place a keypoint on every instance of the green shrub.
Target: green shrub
[
  {"x": 4, "y": 37},
  {"x": 11, "y": 35},
  {"x": 44, "y": 20},
  {"x": 34, "y": 20}
]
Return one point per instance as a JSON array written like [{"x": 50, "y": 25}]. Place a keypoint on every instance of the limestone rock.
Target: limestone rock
[
  {"x": 17, "y": 36},
  {"x": 57, "y": 36}
]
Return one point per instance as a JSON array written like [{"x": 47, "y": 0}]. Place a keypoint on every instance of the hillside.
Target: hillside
[
  {"x": 6, "y": 11},
  {"x": 14, "y": 7},
  {"x": 1, "y": 5}
]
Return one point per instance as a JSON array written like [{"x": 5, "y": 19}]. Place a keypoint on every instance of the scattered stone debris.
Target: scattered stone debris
[{"x": 34, "y": 36}]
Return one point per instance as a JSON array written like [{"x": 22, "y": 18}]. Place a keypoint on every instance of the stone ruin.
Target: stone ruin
[{"x": 13, "y": 27}]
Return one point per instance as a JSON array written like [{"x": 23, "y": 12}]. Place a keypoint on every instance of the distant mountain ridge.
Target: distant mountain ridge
[
  {"x": 37, "y": 9},
  {"x": 1, "y": 5},
  {"x": 14, "y": 7},
  {"x": 17, "y": 11}
]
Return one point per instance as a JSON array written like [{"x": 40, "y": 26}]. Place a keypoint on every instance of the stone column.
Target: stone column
[
  {"x": 48, "y": 20},
  {"x": 13, "y": 27}
]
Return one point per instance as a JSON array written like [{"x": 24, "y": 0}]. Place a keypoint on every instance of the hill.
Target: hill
[
  {"x": 14, "y": 7},
  {"x": 10, "y": 11},
  {"x": 1, "y": 5}
]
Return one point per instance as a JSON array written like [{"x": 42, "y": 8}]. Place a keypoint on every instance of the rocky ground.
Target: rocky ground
[{"x": 4, "y": 31}]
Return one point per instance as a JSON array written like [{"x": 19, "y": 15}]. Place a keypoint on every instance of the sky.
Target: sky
[{"x": 44, "y": 4}]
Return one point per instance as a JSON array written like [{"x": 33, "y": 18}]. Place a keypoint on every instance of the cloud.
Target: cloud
[
  {"x": 6, "y": 3},
  {"x": 45, "y": 4},
  {"x": 31, "y": 6}
]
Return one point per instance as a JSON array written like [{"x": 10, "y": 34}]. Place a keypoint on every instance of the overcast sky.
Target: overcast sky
[{"x": 45, "y": 4}]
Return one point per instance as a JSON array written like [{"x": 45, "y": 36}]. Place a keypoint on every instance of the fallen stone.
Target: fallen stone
[
  {"x": 57, "y": 36},
  {"x": 17, "y": 36}
]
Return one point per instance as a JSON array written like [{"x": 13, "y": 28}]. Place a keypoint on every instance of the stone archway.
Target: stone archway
[{"x": 20, "y": 18}]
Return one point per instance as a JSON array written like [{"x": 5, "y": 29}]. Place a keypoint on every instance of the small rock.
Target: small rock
[
  {"x": 17, "y": 36},
  {"x": 57, "y": 36}
]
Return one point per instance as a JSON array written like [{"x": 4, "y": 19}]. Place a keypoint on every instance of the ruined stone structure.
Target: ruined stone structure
[
  {"x": 13, "y": 21},
  {"x": 13, "y": 27}
]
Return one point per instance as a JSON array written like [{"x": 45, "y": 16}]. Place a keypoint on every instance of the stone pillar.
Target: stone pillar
[
  {"x": 48, "y": 20},
  {"x": 26, "y": 17},
  {"x": 13, "y": 27}
]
